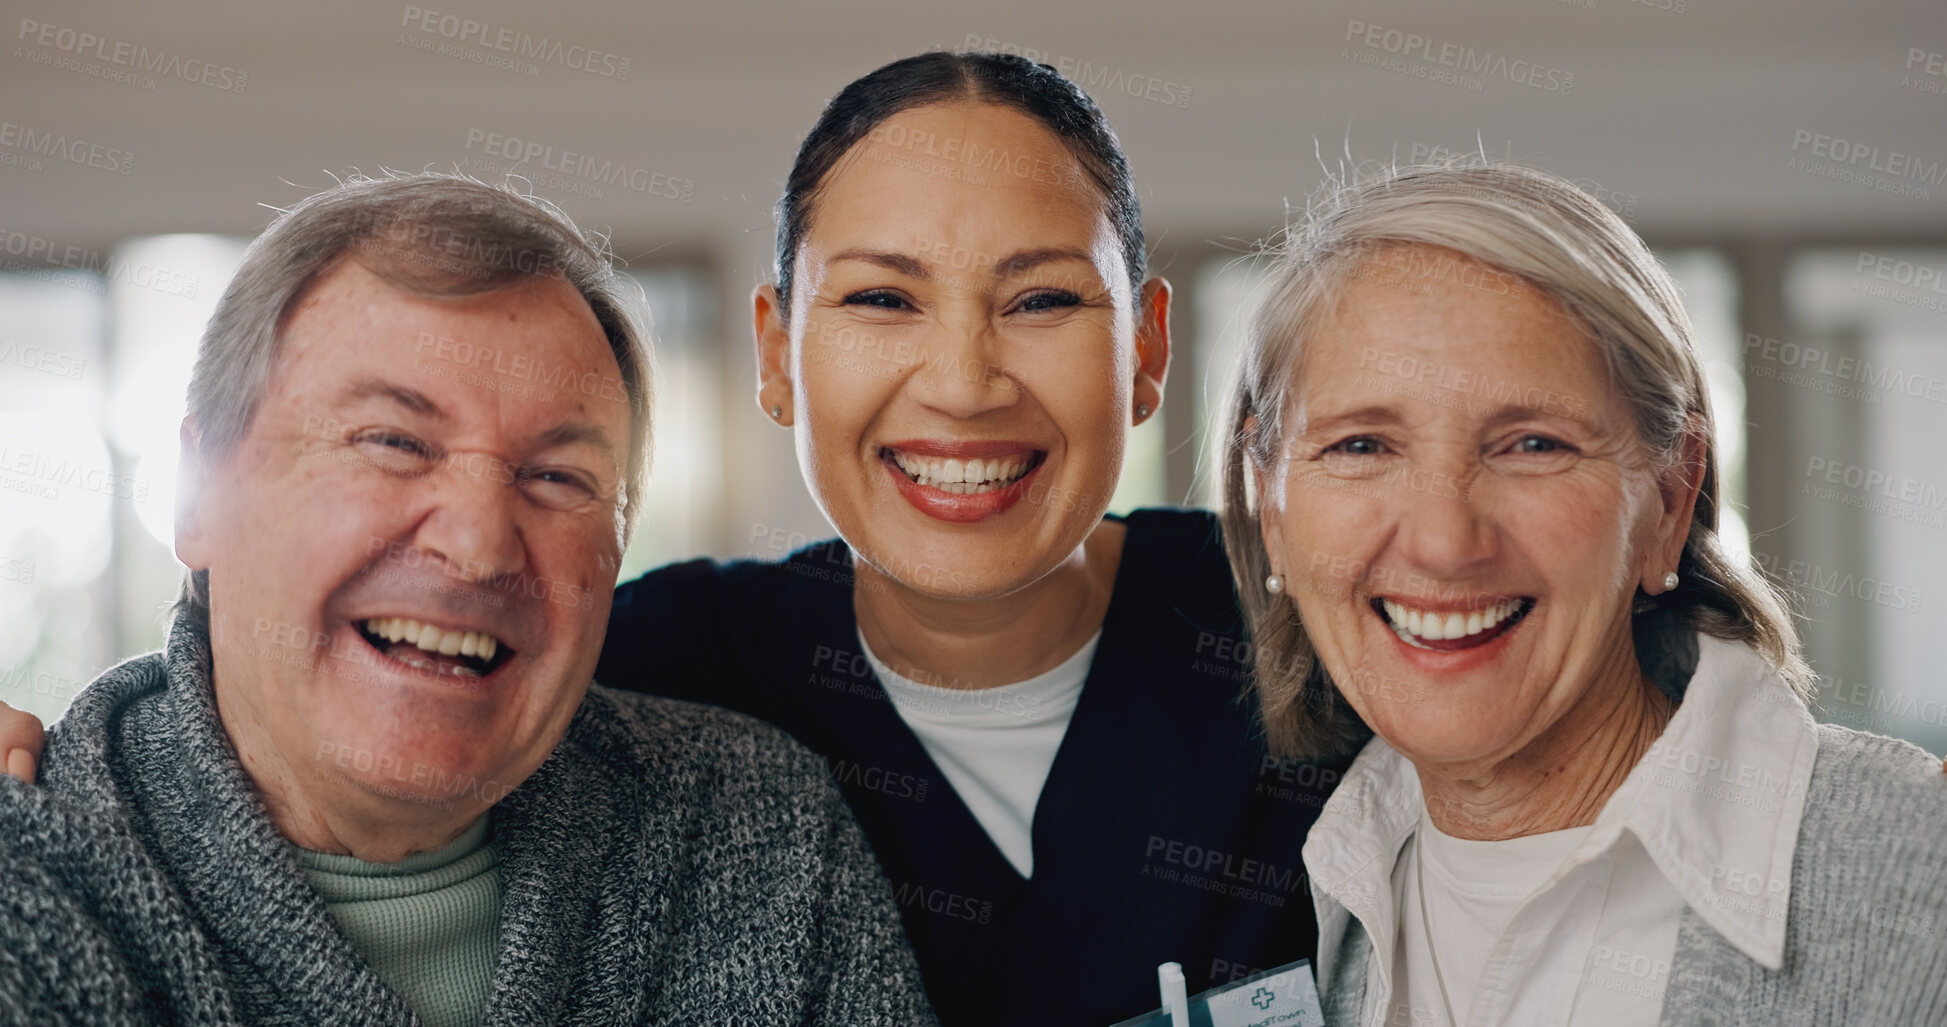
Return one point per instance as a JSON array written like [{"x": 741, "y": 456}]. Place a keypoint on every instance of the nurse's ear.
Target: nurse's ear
[
  {"x": 1152, "y": 348},
  {"x": 772, "y": 324}
]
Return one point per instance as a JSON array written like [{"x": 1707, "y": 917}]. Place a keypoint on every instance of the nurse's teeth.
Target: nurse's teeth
[
  {"x": 963, "y": 477},
  {"x": 1434, "y": 626},
  {"x": 477, "y": 644}
]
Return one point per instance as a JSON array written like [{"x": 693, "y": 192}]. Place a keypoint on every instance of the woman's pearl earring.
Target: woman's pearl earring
[
  {"x": 1274, "y": 584},
  {"x": 777, "y": 412},
  {"x": 1670, "y": 581}
]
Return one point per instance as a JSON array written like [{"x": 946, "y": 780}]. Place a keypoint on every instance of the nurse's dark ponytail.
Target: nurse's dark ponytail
[{"x": 1005, "y": 80}]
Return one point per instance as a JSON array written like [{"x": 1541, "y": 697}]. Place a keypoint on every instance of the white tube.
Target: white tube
[{"x": 1176, "y": 995}]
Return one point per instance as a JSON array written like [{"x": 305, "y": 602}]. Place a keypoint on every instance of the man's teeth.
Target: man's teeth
[
  {"x": 434, "y": 639},
  {"x": 1435, "y": 626},
  {"x": 961, "y": 477}
]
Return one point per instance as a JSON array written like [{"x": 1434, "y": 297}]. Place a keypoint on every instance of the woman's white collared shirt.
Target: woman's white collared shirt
[{"x": 1708, "y": 818}]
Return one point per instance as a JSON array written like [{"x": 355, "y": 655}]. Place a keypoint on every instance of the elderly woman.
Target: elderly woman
[{"x": 1472, "y": 506}]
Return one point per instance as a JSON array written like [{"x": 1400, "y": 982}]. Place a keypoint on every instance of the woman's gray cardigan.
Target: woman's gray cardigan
[
  {"x": 1865, "y": 927},
  {"x": 669, "y": 864}
]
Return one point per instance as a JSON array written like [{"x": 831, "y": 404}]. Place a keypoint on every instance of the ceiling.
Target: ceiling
[{"x": 1684, "y": 111}]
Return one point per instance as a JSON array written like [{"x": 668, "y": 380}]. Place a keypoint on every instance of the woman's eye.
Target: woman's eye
[
  {"x": 1356, "y": 456},
  {"x": 1358, "y": 445},
  {"x": 876, "y": 298},
  {"x": 1539, "y": 454},
  {"x": 1538, "y": 444},
  {"x": 1054, "y": 300}
]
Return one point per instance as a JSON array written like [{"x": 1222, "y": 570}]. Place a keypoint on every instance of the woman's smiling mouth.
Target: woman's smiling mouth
[
  {"x": 1451, "y": 630},
  {"x": 964, "y": 477},
  {"x": 962, "y": 482}
]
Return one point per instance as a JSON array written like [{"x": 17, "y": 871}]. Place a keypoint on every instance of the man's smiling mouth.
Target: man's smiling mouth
[{"x": 430, "y": 649}]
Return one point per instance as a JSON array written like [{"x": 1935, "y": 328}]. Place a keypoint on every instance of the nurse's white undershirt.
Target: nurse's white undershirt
[{"x": 995, "y": 745}]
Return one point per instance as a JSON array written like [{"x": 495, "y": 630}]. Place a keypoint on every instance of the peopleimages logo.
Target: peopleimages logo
[
  {"x": 575, "y": 168},
  {"x": 1826, "y": 581},
  {"x": 514, "y": 43},
  {"x": 1095, "y": 78},
  {"x": 43, "y": 474},
  {"x": 75, "y": 43},
  {"x": 1863, "y": 165},
  {"x": 29, "y": 143},
  {"x": 1841, "y": 367},
  {"x": 42, "y": 359},
  {"x": 1874, "y": 158},
  {"x": 1460, "y": 58},
  {"x": 45, "y": 256},
  {"x": 1897, "y": 487}
]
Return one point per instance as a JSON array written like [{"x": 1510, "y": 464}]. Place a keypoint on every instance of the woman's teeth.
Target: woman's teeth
[
  {"x": 964, "y": 477},
  {"x": 1414, "y": 624},
  {"x": 477, "y": 644}
]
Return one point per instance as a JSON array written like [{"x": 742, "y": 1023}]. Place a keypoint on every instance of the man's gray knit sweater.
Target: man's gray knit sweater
[{"x": 668, "y": 864}]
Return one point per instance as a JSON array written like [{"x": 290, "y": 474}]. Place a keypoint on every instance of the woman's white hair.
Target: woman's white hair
[{"x": 1558, "y": 239}]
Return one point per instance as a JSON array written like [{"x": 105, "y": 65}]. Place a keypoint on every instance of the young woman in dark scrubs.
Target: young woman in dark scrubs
[
  {"x": 1036, "y": 712},
  {"x": 961, "y": 337}
]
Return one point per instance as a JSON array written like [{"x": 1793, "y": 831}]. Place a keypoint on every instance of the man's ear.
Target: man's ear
[
  {"x": 771, "y": 323},
  {"x": 193, "y": 531},
  {"x": 1152, "y": 347}
]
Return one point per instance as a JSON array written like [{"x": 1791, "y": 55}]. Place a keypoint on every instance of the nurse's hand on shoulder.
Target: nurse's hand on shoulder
[{"x": 21, "y": 739}]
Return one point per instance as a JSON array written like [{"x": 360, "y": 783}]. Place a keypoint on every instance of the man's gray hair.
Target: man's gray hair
[
  {"x": 428, "y": 234},
  {"x": 1542, "y": 230}
]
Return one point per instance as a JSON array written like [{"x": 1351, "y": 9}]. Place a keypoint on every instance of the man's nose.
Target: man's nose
[{"x": 472, "y": 523}]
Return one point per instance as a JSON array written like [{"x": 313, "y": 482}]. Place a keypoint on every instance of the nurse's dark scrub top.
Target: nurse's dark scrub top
[{"x": 1163, "y": 832}]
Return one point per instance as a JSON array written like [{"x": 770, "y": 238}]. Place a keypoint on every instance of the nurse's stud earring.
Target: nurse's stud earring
[
  {"x": 1142, "y": 411},
  {"x": 776, "y": 412},
  {"x": 1274, "y": 584}
]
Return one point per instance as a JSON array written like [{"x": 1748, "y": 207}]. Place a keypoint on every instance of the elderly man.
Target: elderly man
[{"x": 367, "y": 780}]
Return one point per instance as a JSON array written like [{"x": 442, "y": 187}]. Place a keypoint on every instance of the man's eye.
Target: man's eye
[
  {"x": 403, "y": 443},
  {"x": 393, "y": 449},
  {"x": 879, "y": 298},
  {"x": 556, "y": 487},
  {"x": 1052, "y": 300}
]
